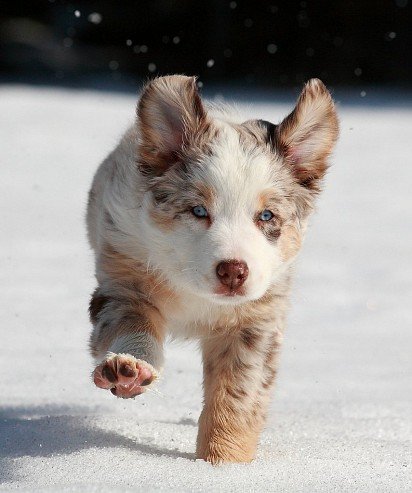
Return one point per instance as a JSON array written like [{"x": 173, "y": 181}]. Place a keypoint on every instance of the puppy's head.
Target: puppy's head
[{"x": 227, "y": 202}]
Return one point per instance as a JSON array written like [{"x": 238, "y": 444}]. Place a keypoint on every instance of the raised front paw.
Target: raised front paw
[{"x": 124, "y": 375}]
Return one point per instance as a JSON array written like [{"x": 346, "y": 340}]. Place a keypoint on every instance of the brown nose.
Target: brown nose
[{"x": 232, "y": 273}]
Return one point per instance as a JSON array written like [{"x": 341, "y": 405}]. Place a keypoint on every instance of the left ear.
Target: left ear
[
  {"x": 170, "y": 115},
  {"x": 307, "y": 136}
]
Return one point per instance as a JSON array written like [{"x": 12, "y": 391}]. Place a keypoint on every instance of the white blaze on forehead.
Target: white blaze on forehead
[
  {"x": 237, "y": 237},
  {"x": 237, "y": 174}
]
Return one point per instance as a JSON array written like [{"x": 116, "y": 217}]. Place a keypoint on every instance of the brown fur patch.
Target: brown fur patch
[
  {"x": 133, "y": 280},
  {"x": 136, "y": 304},
  {"x": 109, "y": 221},
  {"x": 269, "y": 378},
  {"x": 260, "y": 132},
  {"x": 239, "y": 367},
  {"x": 162, "y": 220},
  {"x": 271, "y": 229},
  {"x": 276, "y": 203},
  {"x": 206, "y": 192},
  {"x": 290, "y": 242},
  {"x": 176, "y": 193},
  {"x": 249, "y": 337},
  {"x": 97, "y": 303},
  {"x": 236, "y": 392}
]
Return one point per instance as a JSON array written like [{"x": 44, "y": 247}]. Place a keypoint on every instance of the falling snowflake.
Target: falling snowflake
[
  {"x": 358, "y": 72},
  {"x": 362, "y": 94},
  {"x": 151, "y": 67},
  {"x": 77, "y": 13},
  {"x": 95, "y": 18},
  {"x": 129, "y": 42},
  {"x": 272, "y": 48},
  {"x": 210, "y": 63}
]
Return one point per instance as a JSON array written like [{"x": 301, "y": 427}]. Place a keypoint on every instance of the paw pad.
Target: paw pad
[{"x": 124, "y": 375}]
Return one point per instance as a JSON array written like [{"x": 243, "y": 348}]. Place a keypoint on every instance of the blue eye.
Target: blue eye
[
  {"x": 266, "y": 215},
  {"x": 200, "y": 211}
]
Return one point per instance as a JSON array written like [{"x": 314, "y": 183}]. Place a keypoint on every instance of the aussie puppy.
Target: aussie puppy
[{"x": 196, "y": 219}]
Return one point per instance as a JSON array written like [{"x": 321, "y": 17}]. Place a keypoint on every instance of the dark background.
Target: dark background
[{"x": 248, "y": 43}]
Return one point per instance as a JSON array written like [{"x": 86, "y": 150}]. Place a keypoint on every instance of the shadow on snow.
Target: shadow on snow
[{"x": 50, "y": 431}]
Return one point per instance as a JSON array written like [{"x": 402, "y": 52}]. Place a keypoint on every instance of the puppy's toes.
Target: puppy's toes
[{"x": 124, "y": 375}]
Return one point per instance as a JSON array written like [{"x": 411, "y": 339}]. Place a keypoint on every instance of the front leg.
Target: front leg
[
  {"x": 239, "y": 369},
  {"x": 127, "y": 342}
]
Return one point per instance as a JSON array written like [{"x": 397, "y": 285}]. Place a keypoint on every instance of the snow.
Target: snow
[{"x": 341, "y": 413}]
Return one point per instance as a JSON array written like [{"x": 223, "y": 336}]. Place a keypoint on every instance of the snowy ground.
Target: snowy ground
[{"x": 341, "y": 413}]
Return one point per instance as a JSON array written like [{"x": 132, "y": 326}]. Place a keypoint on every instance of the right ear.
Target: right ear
[
  {"x": 170, "y": 114},
  {"x": 307, "y": 136}
]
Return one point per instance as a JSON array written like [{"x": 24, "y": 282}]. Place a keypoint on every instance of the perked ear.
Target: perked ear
[
  {"x": 307, "y": 136},
  {"x": 170, "y": 115}
]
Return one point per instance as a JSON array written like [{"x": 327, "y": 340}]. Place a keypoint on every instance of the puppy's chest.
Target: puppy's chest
[{"x": 197, "y": 318}]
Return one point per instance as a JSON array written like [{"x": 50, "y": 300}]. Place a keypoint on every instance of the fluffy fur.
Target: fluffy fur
[{"x": 156, "y": 262}]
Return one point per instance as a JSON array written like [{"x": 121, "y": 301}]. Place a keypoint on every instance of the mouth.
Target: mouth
[{"x": 227, "y": 292}]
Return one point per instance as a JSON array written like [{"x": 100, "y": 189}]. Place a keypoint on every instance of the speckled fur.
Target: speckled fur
[{"x": 156, "y": 262}]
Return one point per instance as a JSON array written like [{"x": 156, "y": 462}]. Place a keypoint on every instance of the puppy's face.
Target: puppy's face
[{"x": 227, "y": 203}]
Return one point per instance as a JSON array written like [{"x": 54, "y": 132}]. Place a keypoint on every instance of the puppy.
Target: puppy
[{"x": 196, "y": 219}]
